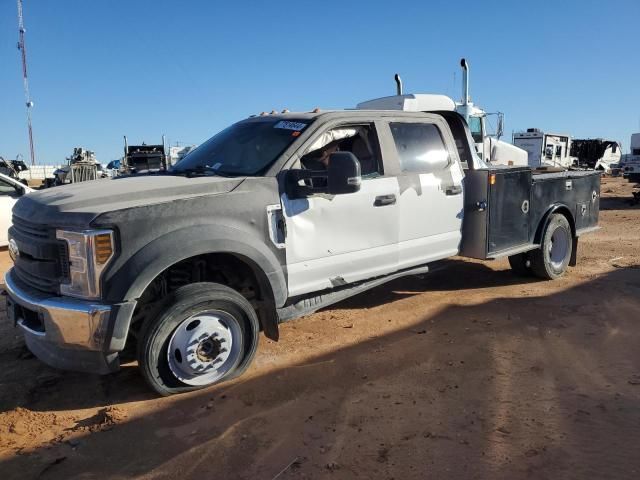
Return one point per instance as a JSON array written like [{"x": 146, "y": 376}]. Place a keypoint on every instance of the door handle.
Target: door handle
[
  {"x": 383, "y": 200},
  {"x": 453, "y": 190}
]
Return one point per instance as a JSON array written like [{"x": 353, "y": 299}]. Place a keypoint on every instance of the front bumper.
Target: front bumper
[{"x": 69, "y": 333}]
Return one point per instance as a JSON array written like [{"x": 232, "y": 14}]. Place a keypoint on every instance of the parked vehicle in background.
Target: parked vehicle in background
[
  {"x": 271, "y": 219},
  {"x": 598, "y": 154},
  {"x": 13, "y": 168},
  {"x": 178, "y": 152},
  {"x": 545, "y": 149},
  {"x": 489, "y": 146},
  {"x": 81, "y": 166},
  {"x": 114, "y": 167},
  {"x": 631, "y": 161},
  {"x": 10, "y": 191},
  {"x": 144, "y": 158}
]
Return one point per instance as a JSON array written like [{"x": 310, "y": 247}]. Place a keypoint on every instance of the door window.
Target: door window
[
  {"x": 358, "y": 139},
  {"x": 420, "y": 147},
  {"x": 7, "y": 188}
]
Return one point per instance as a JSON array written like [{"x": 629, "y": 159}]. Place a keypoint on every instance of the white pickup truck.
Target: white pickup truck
[{"x": 273, "y": 218}]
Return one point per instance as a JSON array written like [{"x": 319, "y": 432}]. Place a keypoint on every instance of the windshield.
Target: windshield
[{"x": 245, "y": 148}]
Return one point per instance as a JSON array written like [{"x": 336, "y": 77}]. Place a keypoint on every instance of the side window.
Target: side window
[
  {"x": 475, "y": 125},
  {"x": 6, "y": 188},
  {"x": 361, "y": 140},
  {"x": 559, "y": 151},
  {"x": 420, "y": 147},
  {"x": 548, "y": 152}
]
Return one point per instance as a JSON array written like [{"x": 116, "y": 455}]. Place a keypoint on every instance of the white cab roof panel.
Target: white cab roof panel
[{"x": 419, "y": 102}]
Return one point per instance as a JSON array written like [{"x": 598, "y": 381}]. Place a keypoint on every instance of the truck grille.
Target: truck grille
[{"x": 43, "y": 261}]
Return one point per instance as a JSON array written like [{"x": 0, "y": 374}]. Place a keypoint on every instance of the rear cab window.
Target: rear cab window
[{"x": 420, "y": 147}]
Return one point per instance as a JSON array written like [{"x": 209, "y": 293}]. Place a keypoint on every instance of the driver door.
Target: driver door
[{"x": 333, "y": 240}]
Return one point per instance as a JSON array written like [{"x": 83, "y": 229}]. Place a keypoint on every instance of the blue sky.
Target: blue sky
[{"x": 101, "y": 69}]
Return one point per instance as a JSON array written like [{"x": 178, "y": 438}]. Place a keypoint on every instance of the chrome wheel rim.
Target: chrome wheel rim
[
  {"x": 559, "y": 247},
  {"x": 204, "y": 347}
]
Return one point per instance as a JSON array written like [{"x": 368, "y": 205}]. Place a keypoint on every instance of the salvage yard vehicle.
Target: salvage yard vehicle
[
  {"x": 631, "y": 161},
  {"x": 545, "y": 149},
  {"x": 597, "y": 153},
  {"x": 271, "y": 219},
  {"x": 11, "y": 189}
]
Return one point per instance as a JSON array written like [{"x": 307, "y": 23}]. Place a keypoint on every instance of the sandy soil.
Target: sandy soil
[{"x": 470, "y": 372}]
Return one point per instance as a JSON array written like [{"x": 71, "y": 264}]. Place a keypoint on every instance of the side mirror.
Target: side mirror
[
  {"x": 342, "y": 176},
  {"x": 344, "y": 173},
  {"x": 19, "y": 190},
  {"x": 500, "y": 125}
]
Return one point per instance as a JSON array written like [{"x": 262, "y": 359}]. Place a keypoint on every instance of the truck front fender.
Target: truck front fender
[
  {"x": 135, "y": 275},
  {"x": 129, "y": 281}
]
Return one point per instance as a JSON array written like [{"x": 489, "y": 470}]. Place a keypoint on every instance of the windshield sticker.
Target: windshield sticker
[
  {"x": 297, "y": 126},
  {"x": 217, "y": 166}
]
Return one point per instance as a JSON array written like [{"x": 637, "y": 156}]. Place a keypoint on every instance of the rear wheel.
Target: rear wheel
[
  {"x": 206, "y": 333},
  {"x": 521, "y": 264},
  {"x": 551, "y": 260}
]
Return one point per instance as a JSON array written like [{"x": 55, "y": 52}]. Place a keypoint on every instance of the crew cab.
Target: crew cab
[{"x": 271, "y": 219}]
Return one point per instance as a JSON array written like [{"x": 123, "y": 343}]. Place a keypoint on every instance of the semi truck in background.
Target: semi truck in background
[
  {"x": 544, "y": 149},
  {"x": 597, "y": 154},
  {"x": 488, "y": 145},
  {"x": 144, "y": 158}
]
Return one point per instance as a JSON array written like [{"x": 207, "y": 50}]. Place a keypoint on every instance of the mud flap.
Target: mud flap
[
  {"x": 269, "y": 322},
  {"x": 574, "y": 253}
]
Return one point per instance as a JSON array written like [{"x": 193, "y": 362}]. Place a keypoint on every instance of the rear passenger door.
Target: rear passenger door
[{"x": 430, "y": 206}]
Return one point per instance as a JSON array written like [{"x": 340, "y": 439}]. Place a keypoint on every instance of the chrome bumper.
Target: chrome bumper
[{"x": 68, "y": 322}]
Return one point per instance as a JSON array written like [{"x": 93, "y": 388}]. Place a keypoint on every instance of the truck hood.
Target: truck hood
[{"x": 80, "y": 203}]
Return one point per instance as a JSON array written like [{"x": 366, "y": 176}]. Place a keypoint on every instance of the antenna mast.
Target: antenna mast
[{"x": 25, "y": 81}]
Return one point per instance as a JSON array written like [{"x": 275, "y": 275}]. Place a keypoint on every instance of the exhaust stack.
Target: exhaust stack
[
  {"x": 465, "y": 82},
  {"x": 398, "y": 84}
]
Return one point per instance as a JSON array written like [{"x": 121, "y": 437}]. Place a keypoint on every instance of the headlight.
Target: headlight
[{"x": 89, "y": 253}]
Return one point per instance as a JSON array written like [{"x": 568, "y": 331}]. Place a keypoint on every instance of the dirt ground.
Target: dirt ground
[{"x": 470, "y": 372}]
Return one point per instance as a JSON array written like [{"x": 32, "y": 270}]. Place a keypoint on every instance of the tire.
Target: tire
[
  {"x": 521, "y": 264},
  {"x": 205, "y": 333},
  {"x": 551, "y": 260}
]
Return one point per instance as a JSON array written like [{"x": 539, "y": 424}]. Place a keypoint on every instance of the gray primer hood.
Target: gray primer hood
[{"x": 80, "y": 203}]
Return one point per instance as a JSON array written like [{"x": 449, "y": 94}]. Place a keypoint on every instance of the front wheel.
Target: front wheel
[
  {"x": 551, "y": 260},
  {"x": 206, "y": 333}
]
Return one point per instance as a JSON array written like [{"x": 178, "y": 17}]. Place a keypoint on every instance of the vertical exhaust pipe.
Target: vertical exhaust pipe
[
  {"x": 465, "y": 82},
  {"x": 398, "y": 84},
  {"x": 165, "y": 157},
  {"x": 124, "y": 159}
]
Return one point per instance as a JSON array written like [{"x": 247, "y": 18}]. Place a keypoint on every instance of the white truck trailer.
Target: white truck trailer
[
  {"x": 631, "y": 161},
  {"x": 544, "y": 149}
]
